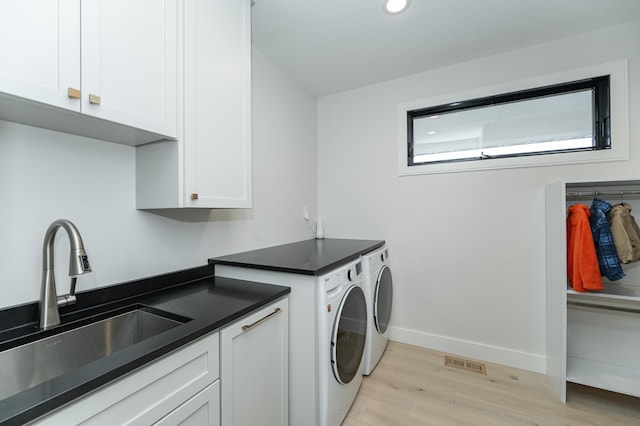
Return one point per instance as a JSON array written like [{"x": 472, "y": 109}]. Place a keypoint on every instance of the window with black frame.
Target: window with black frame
[{"x": 568, "y": 117}]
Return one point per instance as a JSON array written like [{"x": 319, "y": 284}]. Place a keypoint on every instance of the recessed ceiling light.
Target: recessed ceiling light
[{"x": 395, "y": 6}]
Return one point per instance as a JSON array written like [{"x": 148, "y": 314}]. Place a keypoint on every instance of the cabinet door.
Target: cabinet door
[
  {"x": 254, "y": 368},
  {"x": 129, "y": 63},
  {"x": 40, "y": 50},
  {"x": 202, "y": 409},
  {"x": 217, "y": 103}
]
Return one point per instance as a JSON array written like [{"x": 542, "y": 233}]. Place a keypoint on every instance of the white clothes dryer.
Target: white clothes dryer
[
  {"x": 377, "y": 284},
  {"x": 342, "y": 327}
]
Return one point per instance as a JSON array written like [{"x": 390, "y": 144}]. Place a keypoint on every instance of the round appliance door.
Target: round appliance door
[
  {"x": 348, "y": 337},
  {"x": 382, "y": 300}
]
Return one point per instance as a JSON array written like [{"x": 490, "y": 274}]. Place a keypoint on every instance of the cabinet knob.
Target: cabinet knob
[
  {"x": 73, "y": 93},
  {"x": 194, "y": 196},
  {"x": 94, "y": 99}
]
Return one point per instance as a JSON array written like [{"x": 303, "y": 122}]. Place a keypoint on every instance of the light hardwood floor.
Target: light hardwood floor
[{"x": 411, "y": 386}]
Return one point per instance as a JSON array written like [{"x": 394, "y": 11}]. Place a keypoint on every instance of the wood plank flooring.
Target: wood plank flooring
[{"x": 412, "y": 386}]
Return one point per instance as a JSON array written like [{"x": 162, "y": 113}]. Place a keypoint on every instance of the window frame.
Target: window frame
[
  {"x": 606, "y": 149},
  {"x": 601, "y": 123}
]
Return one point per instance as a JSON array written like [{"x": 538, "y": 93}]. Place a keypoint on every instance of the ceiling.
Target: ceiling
[{"x": 334, "y": 45}]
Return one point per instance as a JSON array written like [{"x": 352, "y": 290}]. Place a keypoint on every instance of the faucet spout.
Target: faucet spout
[{"x": 78, "y": 264}]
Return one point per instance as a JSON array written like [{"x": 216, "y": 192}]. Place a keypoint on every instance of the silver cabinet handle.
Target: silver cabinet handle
[{"x": 261, "y": 320}]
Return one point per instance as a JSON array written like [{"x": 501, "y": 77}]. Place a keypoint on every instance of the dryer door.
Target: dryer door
[
  {"x": 382, "y": 300},
  {"x": 348, "y": 337}
]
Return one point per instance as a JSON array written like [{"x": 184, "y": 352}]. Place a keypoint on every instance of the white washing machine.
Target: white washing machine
[
  {"x": 342, "y": 327},
  {"x": 377, "y": 284}
]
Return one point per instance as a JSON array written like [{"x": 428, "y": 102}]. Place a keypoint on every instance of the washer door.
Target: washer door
[
  {"x": 382, "y": 300},
  {"x": 348, "y": 337}
]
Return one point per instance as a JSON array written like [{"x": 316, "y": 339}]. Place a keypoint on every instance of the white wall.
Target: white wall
[
  {"x": 46, "y": 175},
  {"x": 467, "y": 249}
]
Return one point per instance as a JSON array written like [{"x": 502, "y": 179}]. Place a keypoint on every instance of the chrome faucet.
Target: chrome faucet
[{"x": 78, "y": 264}]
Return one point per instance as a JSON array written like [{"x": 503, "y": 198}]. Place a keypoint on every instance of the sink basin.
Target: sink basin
[{"x": 36, "y": 362}]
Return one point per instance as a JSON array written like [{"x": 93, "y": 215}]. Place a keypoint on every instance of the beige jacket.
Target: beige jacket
[{"x": 625, "y": 231}]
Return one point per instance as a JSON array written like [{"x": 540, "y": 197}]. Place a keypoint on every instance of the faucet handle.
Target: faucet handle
[
  {"x": 68, "y": 299},
  {"x": 72, "y": 287}
]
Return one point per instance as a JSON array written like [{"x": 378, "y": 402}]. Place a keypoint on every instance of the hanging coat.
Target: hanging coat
[
  {"x": 605, "y": 248},
  {"x": 625, "y": 231},
  {"x": 582, "y": 263}
]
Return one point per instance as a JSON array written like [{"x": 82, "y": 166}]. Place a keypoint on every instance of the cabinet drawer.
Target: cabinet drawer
[
  {"x": 149, "y": 393},
  {"x": 202, "y": 409}
]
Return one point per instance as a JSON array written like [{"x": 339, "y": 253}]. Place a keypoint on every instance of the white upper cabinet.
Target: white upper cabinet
[
  {"x": 114, "y": 60},
  {"x": 218, "y": 102},
  {"x": 210, "y": 164},
  {"x": 129, "y": 62},
  {"x": 40, "y": 50}
]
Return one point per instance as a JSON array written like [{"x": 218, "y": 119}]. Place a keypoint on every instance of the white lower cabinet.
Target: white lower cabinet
[
  {"x": 254, "y": 368},
  {"x": 169, "y": 390},
  {"x": 238, "y": 376}
]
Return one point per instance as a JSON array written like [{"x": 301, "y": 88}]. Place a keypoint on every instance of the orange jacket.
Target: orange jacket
[{"x": 582, "y": 263}]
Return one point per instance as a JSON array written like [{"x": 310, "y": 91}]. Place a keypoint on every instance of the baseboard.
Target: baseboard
[{"x": 497, "y": 355}]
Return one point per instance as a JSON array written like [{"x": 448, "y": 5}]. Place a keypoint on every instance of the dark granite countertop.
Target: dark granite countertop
[
  {"x": 210, "y": 302},
  {"x": 310, "y": 257}
]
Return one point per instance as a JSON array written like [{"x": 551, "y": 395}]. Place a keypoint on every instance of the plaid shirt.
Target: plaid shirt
[{"x": 605, "y": 248}]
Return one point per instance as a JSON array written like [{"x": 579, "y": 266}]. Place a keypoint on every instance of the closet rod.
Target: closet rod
[
  {"x": 605, "y": 307},
  {"x": 596, "y": 193}
]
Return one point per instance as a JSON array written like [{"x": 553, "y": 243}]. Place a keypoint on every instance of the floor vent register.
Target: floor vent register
[{"x": 465, "y": 364}]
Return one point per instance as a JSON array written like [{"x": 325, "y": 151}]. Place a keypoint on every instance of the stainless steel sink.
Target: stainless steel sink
[{"x": 36, "y": 362}]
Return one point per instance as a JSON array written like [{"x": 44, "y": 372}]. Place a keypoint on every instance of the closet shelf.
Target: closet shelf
[{"x": 614, "y": 295}]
